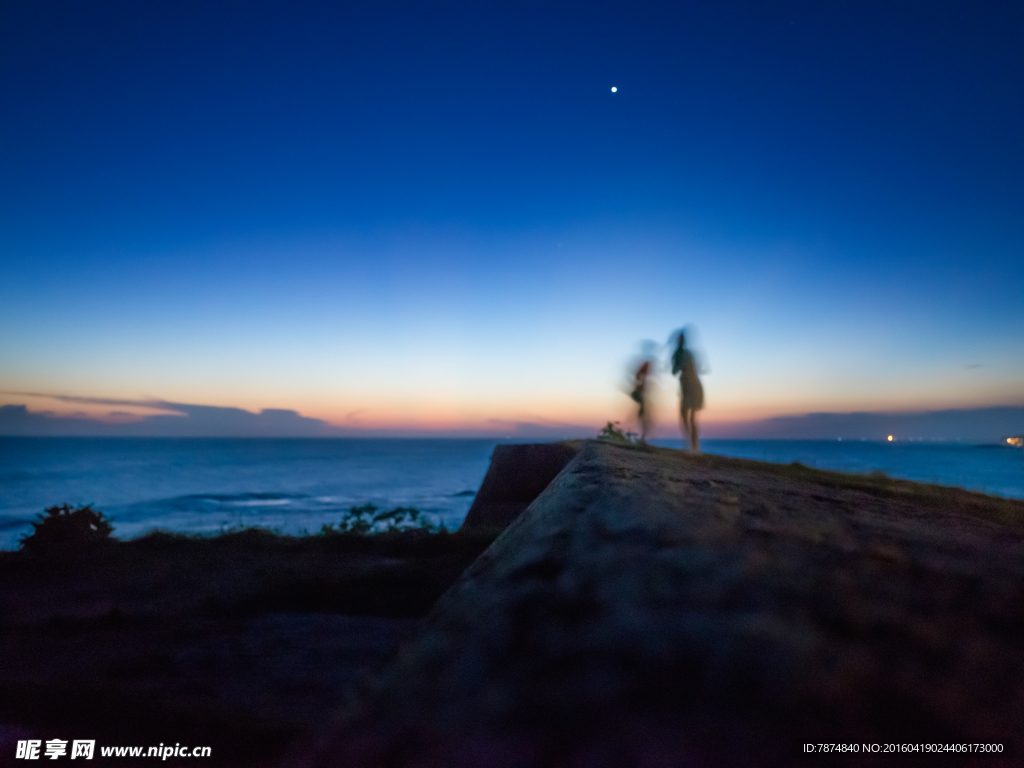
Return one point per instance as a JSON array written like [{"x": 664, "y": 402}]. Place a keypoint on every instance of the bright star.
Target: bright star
[{"x": 614, "y": 89}]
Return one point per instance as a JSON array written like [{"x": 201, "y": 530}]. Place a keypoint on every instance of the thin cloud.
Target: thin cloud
[
  {"x": 177, "y": 420},
  {"x": 157, "y": 405}
]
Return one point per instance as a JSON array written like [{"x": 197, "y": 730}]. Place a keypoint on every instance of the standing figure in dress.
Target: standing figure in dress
[{"x": 692, "y": 395}]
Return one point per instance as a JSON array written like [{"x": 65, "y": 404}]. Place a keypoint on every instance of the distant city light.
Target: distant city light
[
  {"x": 890, "y": 438},
  {"x": 1016, "y": 441}
]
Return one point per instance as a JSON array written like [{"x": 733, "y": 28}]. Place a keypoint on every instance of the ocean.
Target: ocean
[{"x": 298, "y": 485}]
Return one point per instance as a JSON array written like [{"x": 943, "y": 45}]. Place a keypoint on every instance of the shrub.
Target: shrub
[
  {"x": 64, "y": 527},
  {"x": 366, "y": 519},
  {"x": 612, "y": 434}
]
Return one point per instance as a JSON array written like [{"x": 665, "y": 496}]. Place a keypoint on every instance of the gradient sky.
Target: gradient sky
[{"x": 437, "y": 215}]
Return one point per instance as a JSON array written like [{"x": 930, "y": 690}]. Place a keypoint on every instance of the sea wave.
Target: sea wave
[{"x": 244, "y": 497}]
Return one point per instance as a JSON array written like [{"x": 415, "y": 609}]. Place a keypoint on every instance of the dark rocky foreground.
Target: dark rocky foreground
[
  {"x": 654, "y": 608},
  {"x": 648, "y": 608},
  {"x": 240, "y": 642}
]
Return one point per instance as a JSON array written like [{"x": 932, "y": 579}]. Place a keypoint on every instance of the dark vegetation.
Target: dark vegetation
[
  {"x": 613, "y": 433},
  {"x": 62, "y": 527},
  {"x": 367, "y": 519},
  {"x": 242, "y": 641}
]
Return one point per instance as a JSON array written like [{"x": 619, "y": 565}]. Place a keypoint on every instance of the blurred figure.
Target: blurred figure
[
  {"x": 643, "y": 372},
  {"x": 692, "y": 395}
]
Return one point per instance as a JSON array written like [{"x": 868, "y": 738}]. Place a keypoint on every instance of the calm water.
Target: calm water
[{"x": 298, "y": 485}]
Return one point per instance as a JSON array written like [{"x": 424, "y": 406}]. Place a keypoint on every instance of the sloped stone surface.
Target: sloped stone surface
[
  {"x": 653, "y": 608},
  {"x": 516, "y": 476}
]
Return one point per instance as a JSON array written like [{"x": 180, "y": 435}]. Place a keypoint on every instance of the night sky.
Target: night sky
[{"x": 437, "y": 216}]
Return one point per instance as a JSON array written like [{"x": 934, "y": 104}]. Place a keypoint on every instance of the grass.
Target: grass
[
  {"x": 960, "y": 501},
  {"x": 97, "y": 639},
  {"x": 246, "y": 571}
]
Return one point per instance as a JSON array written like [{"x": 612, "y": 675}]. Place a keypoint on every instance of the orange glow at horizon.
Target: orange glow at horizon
[{"x": 432, "y": 409}]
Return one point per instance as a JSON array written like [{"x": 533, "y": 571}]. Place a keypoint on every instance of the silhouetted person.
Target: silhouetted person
[
  {"x": 692, "y": 395},
  {"x": 639, "y": 394}
]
